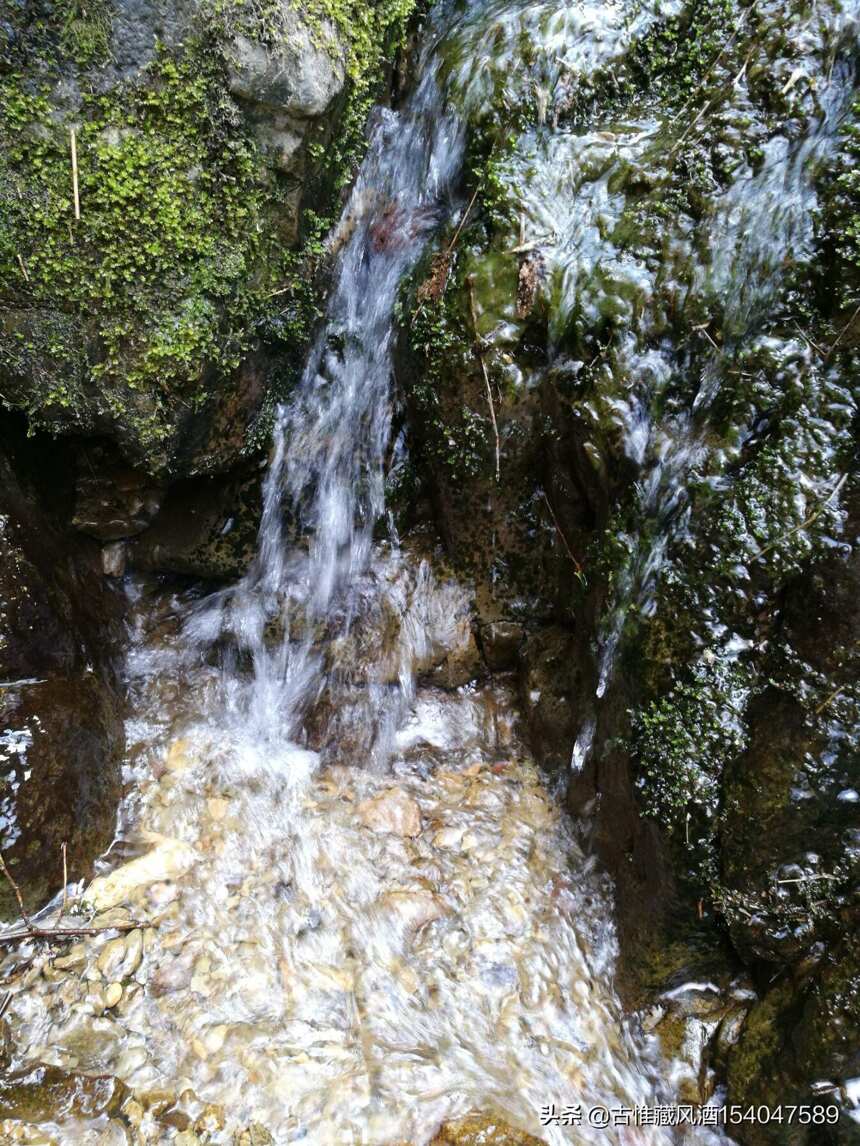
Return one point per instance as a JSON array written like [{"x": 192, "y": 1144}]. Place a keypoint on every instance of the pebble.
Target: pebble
[
  {"x": 130, "y": 1060},
  {"x": 391, "y": 811},
  {"x": 178, "y": 758},
  {"x": 113, "y": 994}
]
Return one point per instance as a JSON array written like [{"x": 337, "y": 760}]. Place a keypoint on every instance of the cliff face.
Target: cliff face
[
  {"x": 629, "y": 381},
  {"x": 156, "y": 281}
]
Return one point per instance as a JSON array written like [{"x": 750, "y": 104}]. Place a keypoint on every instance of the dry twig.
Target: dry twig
[
  {"x": 560, "y": 532},
  {"x": 806, "y": 521},
  {"x": 63, "y": 848},
  {"x": 74, "y": 148},
  {"x": 480, "y": 355}
]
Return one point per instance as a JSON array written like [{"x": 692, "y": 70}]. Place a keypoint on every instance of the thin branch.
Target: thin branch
[
  {"x": 807, "y": 878},
  {"x": 828, "y": 700},
  {"x": 842, "y": 332},
  {"x": 57, "y": 933},
  {"x": 560, "y": 532},
  {"x": 462, "y": 222},
  {"x": 74, "y": 147},
  {"x": 63, "y": 848},
  {"x": 16, "y": 889},
  {"x": 480, "y": 356},
  {"x": 434, "y": 286}
]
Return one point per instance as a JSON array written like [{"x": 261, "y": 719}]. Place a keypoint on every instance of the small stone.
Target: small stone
[
  {"x": 178, "y": 756},
  {"x": 133, "y": 1111},
  {"x": 113, "y": 559},
  {"x": 110, "y": 957},
  {"x": 214, "y": 1038},
  {"x": 211, "y": 1120},
  {"x": 391, "y": 811},
  {"x": 448, "y": 838},
  {"x": 413, "y": 909},
  {"x": 217, "y": 807},
  {"x": 113, "y": 994},
  {"x": 130, "y": 1060},
  {"x": 201, "y": 985},
  {"x": 74, "y": 960},
  {"x": 255, "y": 1135}
]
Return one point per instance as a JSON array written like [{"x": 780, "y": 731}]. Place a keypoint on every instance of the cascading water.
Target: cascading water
[
  {"x": 340, "y": 954},
  {"x": 761, "y": 218}
]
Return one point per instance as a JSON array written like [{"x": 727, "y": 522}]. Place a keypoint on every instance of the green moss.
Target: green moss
[
  {"x": 843, "y": 218},
  {"x": 157, "y": 267},
  {"x": 681, "y": 743},
  {"x": 84, "y": 30},
  {"x": 676, "y": 58},
  {"x": 453, "y": 434}
]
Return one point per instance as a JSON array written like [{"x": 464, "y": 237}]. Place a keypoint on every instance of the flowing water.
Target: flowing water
[{"x": 362, "y": 913}]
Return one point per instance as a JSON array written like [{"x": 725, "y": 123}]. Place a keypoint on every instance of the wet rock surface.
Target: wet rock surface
[
  {"x": 60, "y": 701},
  {"x": 206, "y": 527}
]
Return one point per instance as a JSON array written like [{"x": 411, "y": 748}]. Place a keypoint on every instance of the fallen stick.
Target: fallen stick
[
  {"x": 560, "y": 532},
  {"x": 807, "y": 521},
  {"x": 55, "y": 933},
  {"x": 32, "y": 930},
  {"x": 65, "y": 884}
]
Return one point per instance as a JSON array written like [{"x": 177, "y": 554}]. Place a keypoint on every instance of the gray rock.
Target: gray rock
[{"x": 300, "y": 76}]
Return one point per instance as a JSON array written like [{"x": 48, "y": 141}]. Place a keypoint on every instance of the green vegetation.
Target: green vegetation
[
  {"x": 847, "y": 213},
  {"x": 675, "y": 58},
  {"x": 454, "y": 436},
  {"x": 681, "y": 743},
  {"x": 84, "y": 29}
]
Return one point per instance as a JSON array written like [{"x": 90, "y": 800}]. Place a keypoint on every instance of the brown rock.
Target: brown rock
[
  {"x": 482, "y": 1130},
  {"x": 391, "y": 811}
]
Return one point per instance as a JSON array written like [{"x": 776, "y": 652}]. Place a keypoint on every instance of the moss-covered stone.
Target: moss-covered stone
[
  {"x": 131, "y": 311},
  {"x": 798, "y": 1047}
]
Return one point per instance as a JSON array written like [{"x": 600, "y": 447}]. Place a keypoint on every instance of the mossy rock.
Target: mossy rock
[
  {"x": 47, "y": 1093},
  {"x": 133, "y": 302},
  {"x": 803, "y": 1032}
]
